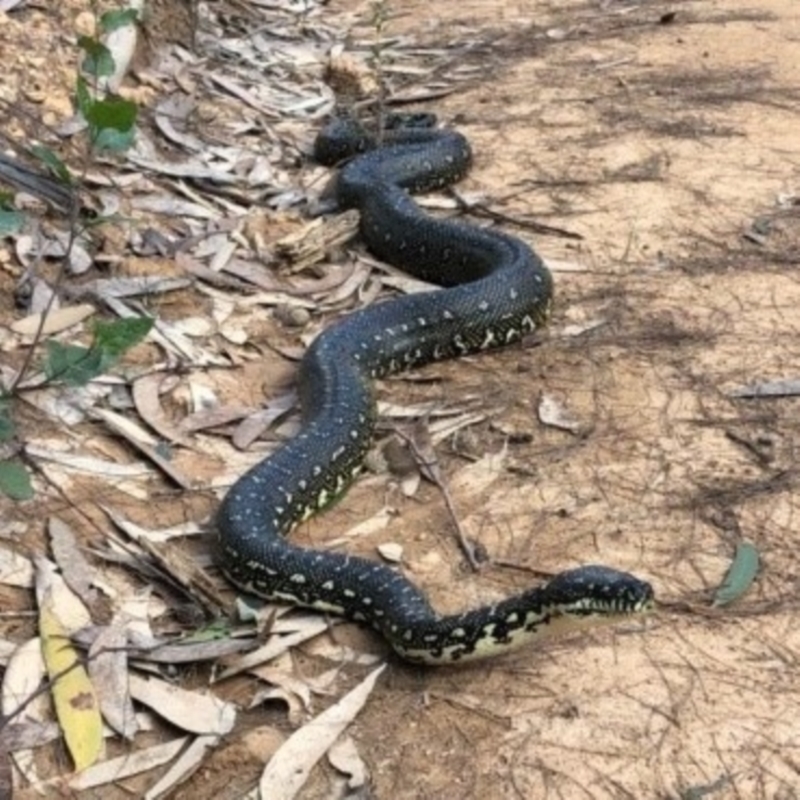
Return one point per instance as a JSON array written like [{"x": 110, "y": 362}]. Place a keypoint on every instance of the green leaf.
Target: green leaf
[
  {"x": 114, "y": 339},
  {"x": 112, "y": 20},
  {"x": 7, "y": 428},
  {"x": 740, "y": 575},
  {"x": 98, "y": 62},
  {"x": 113, "y": 141},
  {"x": 113, "y": 112},
  {"x": 111, "y": 123},
  {"x": 72, "y": 364},
  {"x": 83, "y": 97},
  {"x": 15, "y": 482},
  {"x": 52, "y": 162},
  {"x": 216, "y": 629},
  {"x": 76, "y": 365},
  {"x": 10, "y": 222}
]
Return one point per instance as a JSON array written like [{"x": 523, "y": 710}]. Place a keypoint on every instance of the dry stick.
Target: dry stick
[
  {"x": 482, "y": 210},
  {"x": 432, "y": 471},
  {"x": 379, "y": 18},
  {"x": 60, "y": 276}
]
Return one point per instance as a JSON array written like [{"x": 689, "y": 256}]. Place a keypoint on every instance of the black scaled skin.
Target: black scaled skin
[{"x": 499, "y": 291}]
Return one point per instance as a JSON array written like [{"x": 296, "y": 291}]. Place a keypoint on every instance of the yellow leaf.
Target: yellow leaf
[{"x": 73, "y": 694}]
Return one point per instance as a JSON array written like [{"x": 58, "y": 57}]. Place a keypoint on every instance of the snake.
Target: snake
[{"x": 494, "y": 291}]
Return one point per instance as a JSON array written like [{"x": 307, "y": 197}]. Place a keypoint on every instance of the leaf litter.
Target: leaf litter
[{"x": 246, "y": 169}]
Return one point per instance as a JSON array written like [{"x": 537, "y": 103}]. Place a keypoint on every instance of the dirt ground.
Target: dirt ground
[{"x": 659, "y": 143}]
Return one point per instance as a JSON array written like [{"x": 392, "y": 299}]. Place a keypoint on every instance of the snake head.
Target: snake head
[{"x": 600, "y": 591}]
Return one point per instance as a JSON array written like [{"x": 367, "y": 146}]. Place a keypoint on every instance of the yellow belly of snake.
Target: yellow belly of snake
[{"x": 498, "y": 291}]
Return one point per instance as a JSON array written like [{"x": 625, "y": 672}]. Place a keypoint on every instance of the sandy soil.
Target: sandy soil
[{"x": 665, "y": 136}]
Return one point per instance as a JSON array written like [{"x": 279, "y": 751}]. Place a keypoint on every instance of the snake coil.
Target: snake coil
[{"x": 498, "y": 291}]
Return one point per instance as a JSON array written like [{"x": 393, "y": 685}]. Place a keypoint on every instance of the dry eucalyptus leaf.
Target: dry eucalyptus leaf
[
  {"x": 108, "y": 670},
  {"x": 56, "y": 321},
  {"x": 343, "y": 756},
  {"x": 442, "y": 429},
  {"x": 291, "y": 765},
  {"x": 553, "y": 413},
  {"x": 116, "y": 769},
  {"x": 23, "y": 676},
  {"x": 195, "y": 712},
  {"x": 377, "y": 522},
  {"x": 76, "y": 570},
  {"x": 578, "y": 329},
  {"x": 15, "y": 569},
  {"x": 474, "y": 478},
  {"x": 146, "y": 394},
  {"x": 391, "y": 551},
  {"x": 276, "y": 645},
  {"x": 183, "y": 767}
]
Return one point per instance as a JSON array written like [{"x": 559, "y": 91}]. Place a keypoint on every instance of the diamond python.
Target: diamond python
[{"x": 498, "y": 291}]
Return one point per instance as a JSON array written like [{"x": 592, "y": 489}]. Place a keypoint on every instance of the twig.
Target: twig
[
  {"x": 430, "y": 467},
  {"x": 482, "y": 210}
]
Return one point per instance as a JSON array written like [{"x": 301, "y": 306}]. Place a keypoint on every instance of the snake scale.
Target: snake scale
[{"x": 498, "y": 290}]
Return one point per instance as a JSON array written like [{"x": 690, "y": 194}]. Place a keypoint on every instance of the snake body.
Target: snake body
[{"x": 499, "y": 291}]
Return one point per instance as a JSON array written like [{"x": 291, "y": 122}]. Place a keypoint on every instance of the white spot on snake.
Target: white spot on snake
[
  {"x": 349, "y": 593},
  {"x": 483, "y": 305},
  {"x": 297, "y": 578},
  {"x": 488, "y": 339},
  {"x": 257, "y": 566},
  {"x": 328, "y": 586},
  {"x": 513, "y": 294}
]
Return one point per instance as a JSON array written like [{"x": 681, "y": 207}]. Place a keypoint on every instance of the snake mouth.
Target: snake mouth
[{"x": 595, "y": 589}]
